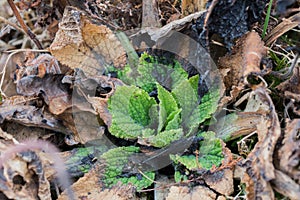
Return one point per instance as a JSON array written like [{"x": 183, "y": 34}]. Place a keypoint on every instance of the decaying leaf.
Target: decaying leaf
[
  {"x": 220, "y": 181},
  {"x": 26, "y": 172},
  {"x": 185, "y": 193},
  {"x": 82, "y": 43},
  {"x": 55, "y": 93},
  {"x": 24, "y": 175},
  {"x": 89, "y": 187},
  {"x": 89, "y": 99},
  {"x": 291, "y": 89},
  {"x": 286, "y": 186},
  {"x": 18, "y": 109},
  {"x": 289, "y": 153},
  {"x": 39, "y": 66},
  {"x": 244, "y": 61},
  {"x": 259, "y": 163}
]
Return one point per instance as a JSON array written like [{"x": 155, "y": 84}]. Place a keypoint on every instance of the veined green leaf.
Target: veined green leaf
[
  {"x": 125, "y": 113},
  {"x": 167, "y": 106},
  {"x": 152, "y": 72},
  {"x": 162, "y": 139},
  {"x": 188, "y": 101},
  {"x": 210, "y": 154},
  {"x": 209, "y": 104},
  {"x": 139, "y": 105},
  {"x": 174, "y": 120},
  {"x": 115, "y": 160},
  {"x": 194, "y": 81}
]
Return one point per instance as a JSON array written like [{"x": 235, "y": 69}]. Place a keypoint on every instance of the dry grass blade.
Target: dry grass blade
[{"x": 282, "y": 28}]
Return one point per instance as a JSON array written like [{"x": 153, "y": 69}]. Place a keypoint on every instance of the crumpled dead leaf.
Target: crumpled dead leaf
[
  {"x": 56, "y": 94},
  {"x": 259, "y": 163},
  {"x": 244, "y": 61},
  {"x": 90, "y": 188},
  {"x": 289, "y": 153},
  {"x": 291, "y": 90},
  {"x": 82, "y": 43},
  {"x": 89, "y": 113},
  {"x": 19, "y": 109}
]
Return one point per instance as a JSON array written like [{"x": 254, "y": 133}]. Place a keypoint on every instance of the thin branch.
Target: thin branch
[{"x": 23, "y": 25}]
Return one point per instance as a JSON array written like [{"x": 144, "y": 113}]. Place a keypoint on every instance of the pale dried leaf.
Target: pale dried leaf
[
  {"x": 244, "y": 61},
  {"x": 186, "y": 193},
  {"x": 289, "y": 153},
  {"x": 221, "y": 181},
  {"x": 286, "y": 186},
  {"x": 259, "y": 163},
  {"x": 81, "y": 43}
]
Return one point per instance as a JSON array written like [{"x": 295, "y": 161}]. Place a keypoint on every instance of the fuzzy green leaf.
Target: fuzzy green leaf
[
  {"x": 129, "y": 117},
  {"x": 139, "y": 106},
  {"x": 188, "y": 101},
  {"x": 152, "y": 72},
  {"x": 209, "y": 104},
  {"x": 162, "y": 139},
  {"x": 167, "y": 106},
  {"x": 174, "y": 120},
  {"x": 115, "y": 160},
  {"x": 210, "y": 154}
]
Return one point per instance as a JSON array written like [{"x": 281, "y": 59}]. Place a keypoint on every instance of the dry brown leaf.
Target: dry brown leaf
[
  {"x": 286, "y": 186},
  {"x": 243, "y": 123},
  {"x": 90, "y": 188},
  {"x": 55, "y": 93},
  {"x": 244, "y": 61},
  {"x": 18, "y": 109},
  {"x": 259, "y": 163},
  {"x": 81, "y": 43},
  {"x": 289, "y": 153},
  {"x": 186, "y": 193},
  {"x": 221, "y": 181}
]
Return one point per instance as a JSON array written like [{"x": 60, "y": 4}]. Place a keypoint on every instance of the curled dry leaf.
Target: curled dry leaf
[
  {"x": 291, "y": 89},
  {"x": 39, "y": 66},
  {"x": 56, "y": 94},
  {"x": 244, "y": 61},
  {"x": 286, "y": 186},
  {"x": 18, "y": 109},
  {"x": 259, "y": 163},
  {"x": 81, "y": 43},
  {"x": 289, "y": 153},
  {"x": 89, "y": 98}
]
